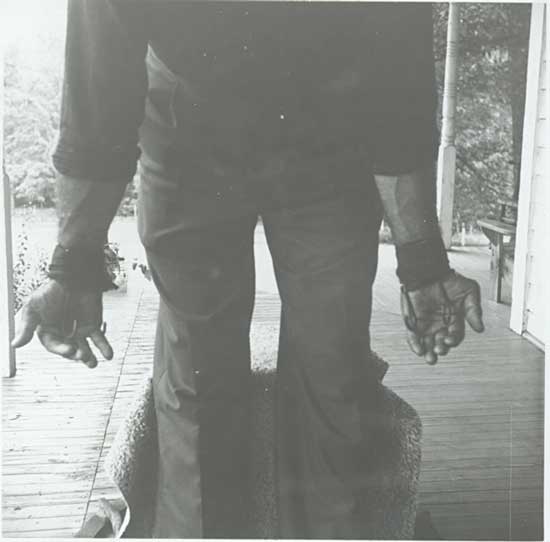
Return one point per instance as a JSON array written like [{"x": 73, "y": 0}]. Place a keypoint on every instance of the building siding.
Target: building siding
[{"x": 538, "y": 243}]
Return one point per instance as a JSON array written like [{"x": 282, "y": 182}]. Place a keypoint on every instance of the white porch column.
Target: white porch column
[
  {"x": 7, "y": 354},
  {"x": 538, "y": 40},
  {"x": 447, "y": 152}
]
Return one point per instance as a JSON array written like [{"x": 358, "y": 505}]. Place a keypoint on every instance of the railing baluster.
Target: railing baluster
[{"x": 7, "y": 353}]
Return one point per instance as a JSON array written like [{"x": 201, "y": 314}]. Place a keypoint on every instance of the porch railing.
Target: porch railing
[{"x": 7, "y": 354}]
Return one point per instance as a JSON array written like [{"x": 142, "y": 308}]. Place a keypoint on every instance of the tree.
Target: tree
[
  {"x": 32, "y": 94},
  {"x": 491, "y": 95}
]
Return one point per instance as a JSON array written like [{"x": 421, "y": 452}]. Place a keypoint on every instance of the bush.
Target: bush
[
  {"x": 128, "y": 204},
  {"x": 31, "y": 120},
  {"x": 29, "y": 272}
]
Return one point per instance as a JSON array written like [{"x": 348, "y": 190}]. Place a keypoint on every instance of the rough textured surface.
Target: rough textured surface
[
  {"x": 395, "y": 468},
  {"x": 132, "y": 461},
  {"x": 395, "y": 463}
]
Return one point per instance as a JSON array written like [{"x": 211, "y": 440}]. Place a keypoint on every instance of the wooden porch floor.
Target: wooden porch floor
[{"x": 482, "y": 409}]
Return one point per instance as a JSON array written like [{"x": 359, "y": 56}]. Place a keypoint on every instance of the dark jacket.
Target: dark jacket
[{"x": 241, "y": 82}]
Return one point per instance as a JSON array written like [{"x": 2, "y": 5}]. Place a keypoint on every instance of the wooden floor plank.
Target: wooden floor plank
[{"x": 482, "y": 409}]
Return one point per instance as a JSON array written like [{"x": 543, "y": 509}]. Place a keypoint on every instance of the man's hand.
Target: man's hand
[
  {"x": 434, "y": 315},
  {"x": 64, "y": 321}
]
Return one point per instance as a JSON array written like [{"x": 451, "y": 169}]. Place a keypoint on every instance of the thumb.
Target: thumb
[
  {"x": 27, "y": 321},
  {"x": 472, "y": 309}
]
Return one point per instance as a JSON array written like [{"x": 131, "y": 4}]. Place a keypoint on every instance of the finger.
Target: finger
[
  {"x": 472, "y": 309},
  {"x": 55, "y": 345},
  {"x": 78, "y": 354},
  {"x": 102, "y": 344},
  {"x": 84, "y": 353},
  {"x": 440, "y": 347},
  {"x": 27, "y": 322},
  {"x": 441, "y": 350},
  {"x": 455, "y": 332},
  {"x": 430, "y": 356},
  {"x": 415, "y": 343}
]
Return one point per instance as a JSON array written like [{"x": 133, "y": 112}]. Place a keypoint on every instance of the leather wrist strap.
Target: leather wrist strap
[
  {"x": 80, "y": 268},
  {"x": 421, "y": 263}
]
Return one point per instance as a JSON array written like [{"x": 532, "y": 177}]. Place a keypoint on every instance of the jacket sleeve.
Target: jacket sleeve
[
  {"x": 404, "y": 104},
  {"x": 104, "y": 88}
]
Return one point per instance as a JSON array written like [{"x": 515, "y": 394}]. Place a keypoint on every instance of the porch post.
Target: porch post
[
  {"x": 7, "y": 353},
  {"x": 447, "y": 152},
  {"x": 520, "y": 276}
]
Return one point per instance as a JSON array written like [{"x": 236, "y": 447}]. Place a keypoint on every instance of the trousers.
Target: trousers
[{"x": 199, "y": 240}]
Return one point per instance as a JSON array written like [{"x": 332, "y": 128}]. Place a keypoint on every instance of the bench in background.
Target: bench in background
[{"x": 496, "y": 229}]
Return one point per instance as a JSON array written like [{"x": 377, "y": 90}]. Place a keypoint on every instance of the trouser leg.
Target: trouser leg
[
  {"x": 325, "y": 257},
  {"x": 201, "y": 379}
]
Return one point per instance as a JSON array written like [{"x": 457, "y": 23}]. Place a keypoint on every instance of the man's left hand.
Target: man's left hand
[{"x": 435, "y": 315}]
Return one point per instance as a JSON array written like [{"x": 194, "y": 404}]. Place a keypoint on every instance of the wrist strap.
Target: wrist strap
[
  {"x": 421, "y": 263},
  {"x": 80, "y": 268}
]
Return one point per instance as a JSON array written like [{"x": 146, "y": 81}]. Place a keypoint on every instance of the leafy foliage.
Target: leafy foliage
[
  {"x": 29, "y": 270},
  {"x": 128, "y": 204},
  {"x": 32, "y": 95},
  {"x": 493, "y": 51}
]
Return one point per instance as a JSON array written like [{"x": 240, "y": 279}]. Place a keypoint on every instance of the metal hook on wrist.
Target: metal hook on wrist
[
  {"x": 410, "y": 318},
  {"x": 447, "y": 306},
  {"x": 72, "y": 334}
]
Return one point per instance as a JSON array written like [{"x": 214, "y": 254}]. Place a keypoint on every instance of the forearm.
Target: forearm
[
  {"x": 104, "y": 90},
  {"x": 409, "y": 202},
  {"x": 85, "y": 210}
]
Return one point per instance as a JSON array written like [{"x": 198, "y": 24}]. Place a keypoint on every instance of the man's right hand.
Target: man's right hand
[
  {"x": 435, "y": 315},
  {"x": 64, "y": 321}
]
